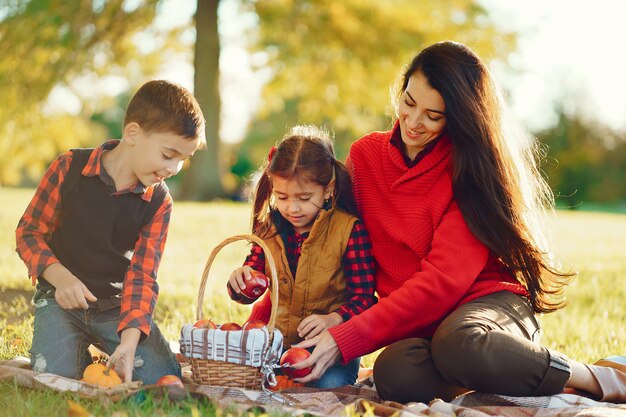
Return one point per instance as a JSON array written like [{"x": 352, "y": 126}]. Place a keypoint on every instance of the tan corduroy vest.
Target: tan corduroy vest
[{"x": 319, "y": 285}]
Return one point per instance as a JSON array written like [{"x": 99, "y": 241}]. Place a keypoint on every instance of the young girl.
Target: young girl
[{"x": 304, "y": 211}]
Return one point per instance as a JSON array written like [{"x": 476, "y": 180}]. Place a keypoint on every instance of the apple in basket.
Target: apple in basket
[
  {"x": 230, "y": 326},
  {"x": 253, "y": 324},
  {"x": 205, "y": 324},
  {"x": 170, "y": 380},
  {"x": 291, "y": 357}
]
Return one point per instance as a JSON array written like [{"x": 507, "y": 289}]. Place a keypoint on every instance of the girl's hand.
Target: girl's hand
[
  {"x": 238, "y": 278},
  {"x": 325, "y": 354},
  {"x": 315, "y": 324}
]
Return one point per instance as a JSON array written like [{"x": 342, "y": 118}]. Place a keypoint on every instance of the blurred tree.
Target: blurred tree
[
  {"x": 203, "y": 179},
  {"x": 334, "y": 62},
  {"x": 50, "y": 43},
  {"x": 111, "y": 116},
  {"x": 586, "y": 161}
]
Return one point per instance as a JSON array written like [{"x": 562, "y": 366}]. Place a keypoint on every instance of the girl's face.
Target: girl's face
[
  {"x": 299, "y": 202},
  {"x": 422, "y": 114}
]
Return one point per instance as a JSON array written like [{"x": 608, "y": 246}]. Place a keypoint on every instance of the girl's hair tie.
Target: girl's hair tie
[{"x": 271, "y": 154}]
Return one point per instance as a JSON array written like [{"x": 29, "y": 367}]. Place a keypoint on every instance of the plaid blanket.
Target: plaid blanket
[{"x": 337, "y": 402}]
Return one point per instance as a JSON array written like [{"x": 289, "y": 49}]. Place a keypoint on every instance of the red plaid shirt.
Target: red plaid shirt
[
  {"x": 358, "y": 266},
  {"x": 42, "y": 216}
]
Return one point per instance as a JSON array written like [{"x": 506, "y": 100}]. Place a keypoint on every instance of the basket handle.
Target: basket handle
[{"x": 272, "y": 276}]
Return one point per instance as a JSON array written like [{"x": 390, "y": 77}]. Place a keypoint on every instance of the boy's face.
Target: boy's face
[{"x": 159, "y": 155}]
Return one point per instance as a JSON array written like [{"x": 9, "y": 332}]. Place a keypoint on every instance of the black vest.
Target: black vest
[{"x": 97, "y": 231}]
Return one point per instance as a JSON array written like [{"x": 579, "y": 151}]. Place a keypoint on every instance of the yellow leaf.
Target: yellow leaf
[
  {"x": 17, "y": 342},
  {"x": 76, "y": 410}
]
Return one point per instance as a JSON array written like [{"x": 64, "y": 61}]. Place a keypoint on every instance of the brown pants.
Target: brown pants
[{"x": 490, "y": 344}]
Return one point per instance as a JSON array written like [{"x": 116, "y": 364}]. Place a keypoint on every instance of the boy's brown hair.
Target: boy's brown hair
[{"x": 164, "y": 106}]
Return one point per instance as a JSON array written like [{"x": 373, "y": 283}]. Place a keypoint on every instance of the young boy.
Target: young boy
[{"x": 93, "y": 235}]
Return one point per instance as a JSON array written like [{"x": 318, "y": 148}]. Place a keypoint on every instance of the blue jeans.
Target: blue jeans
[
  {"x": 338, "y": 375},
  {"x": 61, "y": 338}
]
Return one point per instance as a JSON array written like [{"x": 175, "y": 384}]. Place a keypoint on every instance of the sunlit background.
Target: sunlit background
[
  {"x": 68, "y": 69},
  {"x": 561, "y": 64},
  {"x": 569, "y": 51}
]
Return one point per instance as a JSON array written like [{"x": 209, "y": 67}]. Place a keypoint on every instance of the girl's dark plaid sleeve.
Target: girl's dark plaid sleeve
[
  {"x": 256, "y": 258},
  {"x": 358, "y": 265}
]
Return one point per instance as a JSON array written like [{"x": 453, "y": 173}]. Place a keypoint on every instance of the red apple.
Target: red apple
[
  {"x": 291, "y": 357},
  {"x": 205, "y": 324},
  {"x": 253, "y": 324},
  {"x": 237, "y": 296},
  {"x": 230, "y": 326},
  {"x": 256, "y": 285},
  {"x": 169, "y": 380}
]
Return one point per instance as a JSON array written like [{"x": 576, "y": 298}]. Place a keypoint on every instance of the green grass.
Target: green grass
[
  {"x": 593, "y": 325},
  {"x": 19, "y": 401}
]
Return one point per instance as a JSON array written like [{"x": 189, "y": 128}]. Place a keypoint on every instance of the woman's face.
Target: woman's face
[{"x": 422, "y": 114}]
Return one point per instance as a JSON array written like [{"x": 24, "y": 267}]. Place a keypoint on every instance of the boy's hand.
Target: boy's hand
[
  {"x": 69, "y": 292},
  {"x": 125, "y": 353},
  {"x": 315, "y": 324},
  {"x": 239, "y": 277}
]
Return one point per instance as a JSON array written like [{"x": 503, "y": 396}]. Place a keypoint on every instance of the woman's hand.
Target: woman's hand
[
  {"x": 325, "y": 354},
  {"x": 238, "y": 278},
  {"x": 315, "y": 324}
]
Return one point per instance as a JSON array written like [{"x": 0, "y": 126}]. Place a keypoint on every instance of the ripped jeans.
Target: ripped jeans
[{"x": 61, "y": 338}]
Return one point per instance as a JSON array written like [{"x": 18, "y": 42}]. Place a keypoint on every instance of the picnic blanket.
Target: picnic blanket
[{"x": 336, "y": 402}]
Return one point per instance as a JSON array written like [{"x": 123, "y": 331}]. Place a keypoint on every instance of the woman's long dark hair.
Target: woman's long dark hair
[
  {"x": 305, "y": 154},
  {"x": 496, "y": 181}
]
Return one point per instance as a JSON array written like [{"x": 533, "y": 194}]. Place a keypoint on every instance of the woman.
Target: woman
[{"x": 453, "y": 201}]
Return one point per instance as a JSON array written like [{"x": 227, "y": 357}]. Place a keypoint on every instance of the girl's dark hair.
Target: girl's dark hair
[
  {"x": 305, "y": 154},
  {"x": 496, "y": 181}
]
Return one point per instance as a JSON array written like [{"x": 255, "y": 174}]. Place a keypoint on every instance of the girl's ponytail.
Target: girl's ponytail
[
  {"x": 261, "y": 221},
  {"x": 343, "y": 195}
]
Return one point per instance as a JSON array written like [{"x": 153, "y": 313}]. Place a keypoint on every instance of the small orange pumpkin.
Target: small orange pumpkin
[
  {"x": 284, "y": 382},
  {"x": 100, "y": 374}
]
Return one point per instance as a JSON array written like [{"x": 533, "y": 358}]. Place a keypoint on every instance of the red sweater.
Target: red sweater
[{"x": 427, "y": 260}]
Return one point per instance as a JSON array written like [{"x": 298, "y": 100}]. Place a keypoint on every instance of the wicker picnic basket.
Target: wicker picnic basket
[{"x": 226, "y": 373}]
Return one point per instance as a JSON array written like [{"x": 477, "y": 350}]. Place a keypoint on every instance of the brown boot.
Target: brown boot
[{"x": 611, "y": 376}]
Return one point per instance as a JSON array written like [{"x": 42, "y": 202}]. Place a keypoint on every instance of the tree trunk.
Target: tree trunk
[{"x": 203, "y": 179}]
